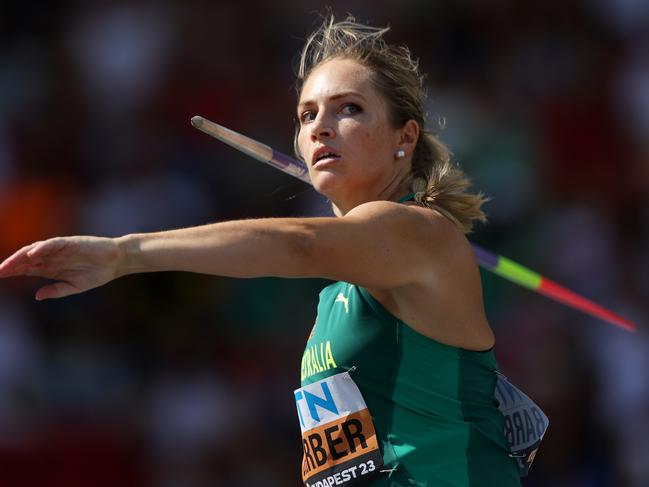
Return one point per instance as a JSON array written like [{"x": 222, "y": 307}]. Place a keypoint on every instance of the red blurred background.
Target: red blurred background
[{"x": 186, "y": 380}]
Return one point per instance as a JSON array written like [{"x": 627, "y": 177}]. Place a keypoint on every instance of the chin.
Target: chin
[{"x": 327, "y": 183}]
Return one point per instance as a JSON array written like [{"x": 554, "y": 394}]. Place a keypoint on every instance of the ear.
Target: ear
[{"x": 408, "y": 136}]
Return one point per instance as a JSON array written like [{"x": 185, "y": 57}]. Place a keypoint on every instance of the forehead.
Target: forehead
[{"x": 335, "y": 77}]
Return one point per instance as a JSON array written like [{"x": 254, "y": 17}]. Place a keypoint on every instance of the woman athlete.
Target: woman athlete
[{"x": 398, "y": 376}]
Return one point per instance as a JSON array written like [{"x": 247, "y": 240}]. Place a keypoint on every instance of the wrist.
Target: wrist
[{"x": 128, "y": 251}]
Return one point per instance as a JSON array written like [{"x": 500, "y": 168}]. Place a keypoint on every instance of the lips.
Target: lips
[{"x": 324, "y": 156}]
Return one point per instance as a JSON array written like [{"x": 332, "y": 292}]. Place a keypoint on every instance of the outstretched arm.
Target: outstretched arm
[{"x": 378, "y": 244}]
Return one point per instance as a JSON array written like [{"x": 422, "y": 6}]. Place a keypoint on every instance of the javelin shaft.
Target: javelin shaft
[
  {"x": 254, "y": 149},
  {"x": 495, "y": 263}
]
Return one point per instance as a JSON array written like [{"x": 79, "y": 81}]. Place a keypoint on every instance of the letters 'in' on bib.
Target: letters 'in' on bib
[
  {"x": 338, "y": 435},
  {"x": 525, "y": 423}
]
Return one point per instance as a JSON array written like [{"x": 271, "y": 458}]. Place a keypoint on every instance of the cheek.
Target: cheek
[
  {"x": 375, "y": 142},
  {"x": 366, "y": 137}
]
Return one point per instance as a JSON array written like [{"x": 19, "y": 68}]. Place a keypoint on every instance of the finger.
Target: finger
[
  {"x": 29, "y": 269},
  {"x": 11, "y": 265},
  {"x": 58, "y": 289}
]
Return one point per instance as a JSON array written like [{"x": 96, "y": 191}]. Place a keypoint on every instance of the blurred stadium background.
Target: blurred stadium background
[{"x": 185, "y": 380}]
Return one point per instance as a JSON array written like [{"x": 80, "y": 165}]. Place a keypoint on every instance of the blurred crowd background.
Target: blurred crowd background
[{"x": 168, "y": 380}]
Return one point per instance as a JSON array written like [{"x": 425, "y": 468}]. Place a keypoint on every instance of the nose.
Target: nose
[{"x": 321, "y": 128}]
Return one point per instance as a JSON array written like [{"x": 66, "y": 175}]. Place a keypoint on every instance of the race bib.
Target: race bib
[
  {"x": 338, "y": 435},
  {"x": 525, "y": 423}
]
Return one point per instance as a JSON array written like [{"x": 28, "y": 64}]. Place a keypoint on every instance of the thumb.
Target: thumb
[{"x": 58, "y": 289}]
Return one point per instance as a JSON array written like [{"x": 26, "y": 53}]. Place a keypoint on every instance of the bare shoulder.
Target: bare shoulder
[
  {"x": 433, "y": 244},
  {"x": 418, "y": 224},
  {"x": 382, "y": 207},
  {"x": 431, "y": 229},
  {"x": 446, "y": 302}
]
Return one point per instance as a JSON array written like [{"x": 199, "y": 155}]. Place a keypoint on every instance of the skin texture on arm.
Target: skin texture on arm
[
  {"x": 379, "y": 235},
  {"x": 378, "y": 244}
]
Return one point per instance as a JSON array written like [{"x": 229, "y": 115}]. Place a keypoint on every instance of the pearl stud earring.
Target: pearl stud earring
[{"x": 401, "y": 153}]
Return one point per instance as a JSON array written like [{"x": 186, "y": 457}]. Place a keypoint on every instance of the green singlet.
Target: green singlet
[{"x": 433, "y": 408}]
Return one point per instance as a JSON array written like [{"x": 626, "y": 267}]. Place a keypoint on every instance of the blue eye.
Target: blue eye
[
  {"x": 307, "y": 116},
  {"x": 350, "y": 109}
]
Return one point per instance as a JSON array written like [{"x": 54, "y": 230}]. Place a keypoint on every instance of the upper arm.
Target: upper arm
[{"x": 378, "y": 245}]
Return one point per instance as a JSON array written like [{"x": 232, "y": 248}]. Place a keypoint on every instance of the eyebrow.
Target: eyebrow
[{"x": 333, "y": 97}]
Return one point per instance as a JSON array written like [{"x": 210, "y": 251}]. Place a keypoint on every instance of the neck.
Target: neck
[{"x": 392, "y": 192}]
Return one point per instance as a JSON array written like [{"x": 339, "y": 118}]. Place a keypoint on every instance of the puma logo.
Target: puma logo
[{"x": 342, "y": 299}]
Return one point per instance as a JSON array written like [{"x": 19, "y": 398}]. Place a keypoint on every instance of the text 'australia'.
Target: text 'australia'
[{"x": 317, "y": 358}]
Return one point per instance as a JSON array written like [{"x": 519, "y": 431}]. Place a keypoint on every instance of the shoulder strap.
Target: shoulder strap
[{"x": 408, "y": 197}]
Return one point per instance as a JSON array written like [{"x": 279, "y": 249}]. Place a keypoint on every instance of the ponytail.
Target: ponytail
[{"x": 440, "y": 185}]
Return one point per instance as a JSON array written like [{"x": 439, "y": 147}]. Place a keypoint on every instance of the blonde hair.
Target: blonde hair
[{"x": 437, "y": 182}]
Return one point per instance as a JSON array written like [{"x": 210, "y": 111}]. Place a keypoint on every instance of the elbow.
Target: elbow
[
  {"x": 299, "y": 254},
  {"x": 304, "y": 248}
]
